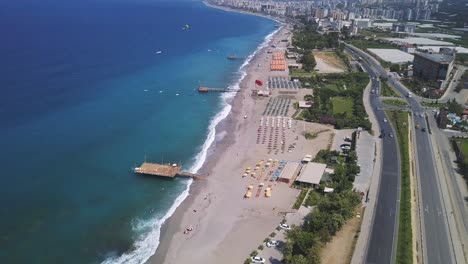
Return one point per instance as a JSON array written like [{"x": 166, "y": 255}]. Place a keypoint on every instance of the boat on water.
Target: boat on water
[
  {"x": 158, "y": 52},
  {"x": 232, "y": 57}
]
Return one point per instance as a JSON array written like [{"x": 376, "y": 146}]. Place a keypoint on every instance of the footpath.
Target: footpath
[{"x": 360, "y": 250}]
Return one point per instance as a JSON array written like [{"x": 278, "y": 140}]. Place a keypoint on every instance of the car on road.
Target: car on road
[
  {"x": 385, "y": 120},
  {"x": 257, "y": 259},
  {"x": 272, "y": 243},
  {"x": 391, "y": 135},
  {"x": 285, "y": 226},
  {"x": 423, "y": 129},
  {"x": 345, "y": 147}
]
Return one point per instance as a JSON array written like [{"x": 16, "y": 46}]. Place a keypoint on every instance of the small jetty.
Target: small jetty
[
  {"x": 203, "y": 89},
  {"x": 234, "y": 57},
  {"x": 165, "y": 170}
]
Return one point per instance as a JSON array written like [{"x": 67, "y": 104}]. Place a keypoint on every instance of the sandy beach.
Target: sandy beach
[{"x": 227, "y": 226}]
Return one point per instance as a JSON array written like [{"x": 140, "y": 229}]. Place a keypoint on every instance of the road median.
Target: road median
[{"x": 400, "y": 123}]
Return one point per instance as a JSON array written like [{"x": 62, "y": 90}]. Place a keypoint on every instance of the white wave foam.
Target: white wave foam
[{"x": 147, "y": 244}]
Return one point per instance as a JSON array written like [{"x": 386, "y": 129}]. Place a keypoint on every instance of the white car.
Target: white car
[
  {"x": 385, "y": 120},
  {"x": 272, "y": 243},
  {"x": 257, "y": 259},
  {"x": 285, "y": 226}
]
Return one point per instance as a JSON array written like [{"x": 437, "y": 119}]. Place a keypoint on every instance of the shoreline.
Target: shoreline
[
  {"x": 173, "y": 224},
  {"x": 229, "y": 9}
]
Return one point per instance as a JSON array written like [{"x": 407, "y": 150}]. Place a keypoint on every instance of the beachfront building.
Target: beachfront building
[
  {"x": 290, "y": 172},
  {"x": 312, "y": 173}
]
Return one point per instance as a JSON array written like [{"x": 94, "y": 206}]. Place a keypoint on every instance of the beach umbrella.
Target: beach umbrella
[{"x": 258, "y": 83}]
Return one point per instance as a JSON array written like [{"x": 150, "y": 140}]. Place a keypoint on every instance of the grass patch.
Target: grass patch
[
  {"x": 394, "y": 102},
  {"x": 399, "y": 121},
  {"x": 342, "y": 105},
  {"x": 464, "y": 149},
  {"x": 330, "y": 58},
  {"x": 300, "y": 199},
  {"x": 300, "y": 73},
  {"x": 310, "y": 136},
  {"x": 388, "y": 91}
]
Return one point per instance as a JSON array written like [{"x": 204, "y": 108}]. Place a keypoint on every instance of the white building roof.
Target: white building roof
[
  {"x": 437, "y": 48},
  {"x": 392, "y": 55},
  {"x": 288, "y": 170},
  {"x": 419, "y": 41},
  {"x": 436, "y": 35},
  {"x": 312, "y": 173},
  {"x": 305, "y": 104},
  {"x": 383, "y": 25}
]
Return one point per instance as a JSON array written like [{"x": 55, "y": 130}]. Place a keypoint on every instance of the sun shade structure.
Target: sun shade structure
[{"x": 312, "y": 173}]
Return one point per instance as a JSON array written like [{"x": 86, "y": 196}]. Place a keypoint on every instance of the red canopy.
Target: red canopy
[{"x": 258, "y": 82}]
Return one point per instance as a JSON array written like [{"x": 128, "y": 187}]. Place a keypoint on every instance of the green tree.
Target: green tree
[
  {"x": 395, "y": 68},
  {"x": 335, "y": 222},
  {"x": 454, "y": 107},
  {"x": 313, "y": 257},
  {"x": 298, "y": 259},
  {"x": 308, "y": 61}
]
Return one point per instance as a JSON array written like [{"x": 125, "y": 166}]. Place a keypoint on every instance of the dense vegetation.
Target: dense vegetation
[
  {"x": 370, "y": 43},
  {"x": 421, "y": 87},
  {"x": 338, "y": 101},
  {"x": 387, "y": 90},
  {"x": 330, "y": 214},
  {"x": 399, "y": 121},
  {"x": 460, "y": 145},
  {"x": 307, "y": 39}
]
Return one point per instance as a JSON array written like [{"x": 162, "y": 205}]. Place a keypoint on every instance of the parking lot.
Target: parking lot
[{"x": 365, "y": 150}]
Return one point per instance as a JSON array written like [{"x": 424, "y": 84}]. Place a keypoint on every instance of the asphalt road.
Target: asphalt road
[
  {"x": 437, "y": 242},
  {"x": 382, "y": 244}
]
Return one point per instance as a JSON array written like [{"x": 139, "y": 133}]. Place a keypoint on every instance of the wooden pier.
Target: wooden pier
[
  {"x": 203, "y": 89},
  {"x": 165, "y": 170}
]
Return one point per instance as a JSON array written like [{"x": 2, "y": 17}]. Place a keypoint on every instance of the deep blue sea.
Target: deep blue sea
[{"x": 84, "y": 98}]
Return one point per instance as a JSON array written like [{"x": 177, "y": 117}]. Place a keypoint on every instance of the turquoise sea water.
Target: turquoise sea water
[{"x": 84, "y": 98}]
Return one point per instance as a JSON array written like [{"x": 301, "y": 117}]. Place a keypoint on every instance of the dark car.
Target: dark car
[{"x": 423, "y": 129}]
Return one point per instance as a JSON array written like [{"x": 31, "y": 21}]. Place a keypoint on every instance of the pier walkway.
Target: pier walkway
[
  {"x": 165, "y": 170},
  {"x": 203, "y": 89}
]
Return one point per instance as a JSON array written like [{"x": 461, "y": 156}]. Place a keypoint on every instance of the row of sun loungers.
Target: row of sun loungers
[
  {"x": 282, "y": 83},
  {"x": 277, "y": 107}
]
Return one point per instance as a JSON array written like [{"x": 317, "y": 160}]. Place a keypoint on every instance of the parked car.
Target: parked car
[
  {"x": 257, "y": 259},
  {"x": 272, "y": 243},
  {"x": 285, "y": 226}
]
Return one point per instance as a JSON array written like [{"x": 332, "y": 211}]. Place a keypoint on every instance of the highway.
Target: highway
[
  {"x": 436, "y": 238},
  {"x": 383, "y": 237}
]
